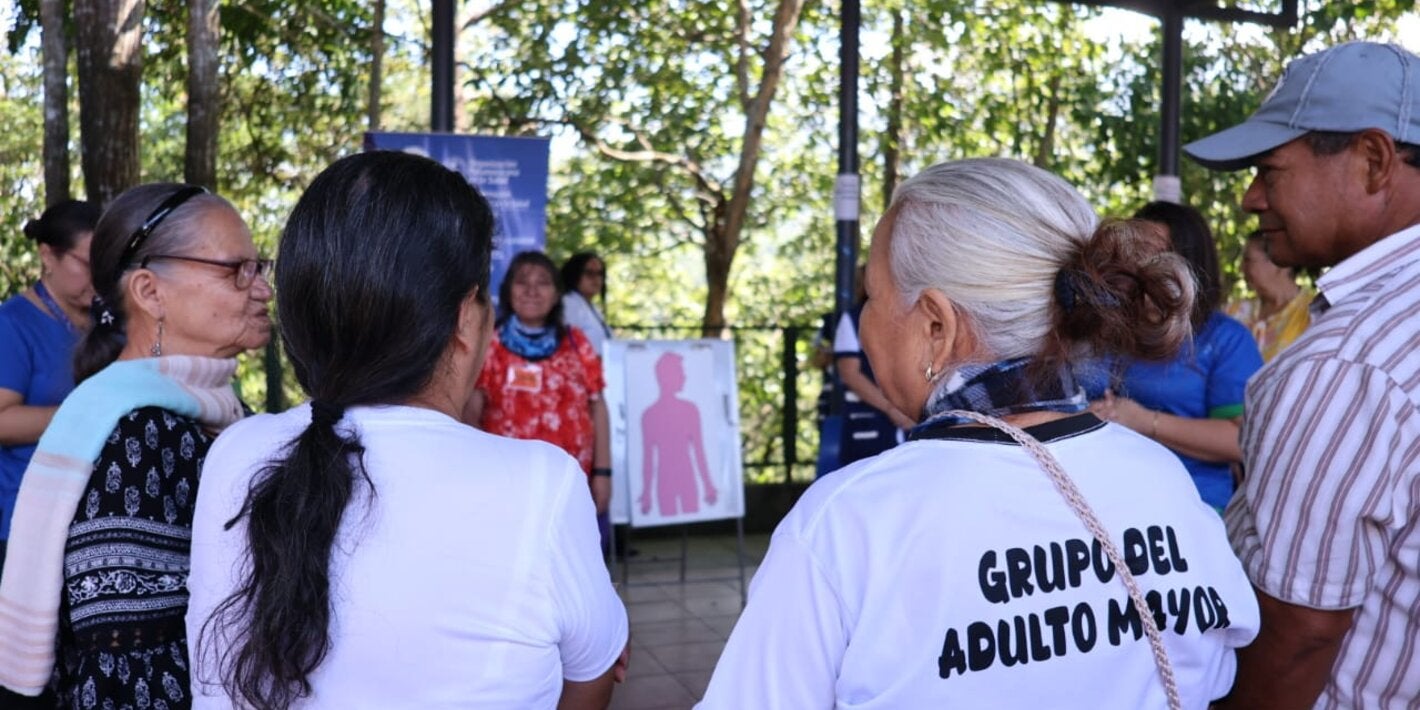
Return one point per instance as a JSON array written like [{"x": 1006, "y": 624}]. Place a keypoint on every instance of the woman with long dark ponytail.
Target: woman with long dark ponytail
[{"x": 368, "y": 550}]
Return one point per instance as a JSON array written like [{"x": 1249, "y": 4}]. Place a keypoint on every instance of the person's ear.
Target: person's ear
[
  {"x": 473, "y": 329},
  {"x": 1377, "y": 151},
  {"x": 47, "y": 257},
  {"x": 145, "y": 292},
  {"x": 943, "y": 332}
]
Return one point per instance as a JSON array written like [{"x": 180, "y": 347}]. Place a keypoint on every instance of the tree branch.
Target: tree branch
[
  {"x": 478, "y": 16},
  {"x": 786, "y": 19},
  {"x": 707, "y": 184},
  {"x": 681, "y": 213},
  {"x": 742, "y": 23},
  {"x": 709, "y": 190}
]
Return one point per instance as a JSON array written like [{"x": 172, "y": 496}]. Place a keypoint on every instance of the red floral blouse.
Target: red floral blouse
[{"x": 548, "y": 400}]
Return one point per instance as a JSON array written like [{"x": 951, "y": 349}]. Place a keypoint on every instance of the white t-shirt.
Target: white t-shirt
[
  {"x": 470, "y": 578},
  {"x": 949, "y": 572},
  {"x": 578, "y": 311}
]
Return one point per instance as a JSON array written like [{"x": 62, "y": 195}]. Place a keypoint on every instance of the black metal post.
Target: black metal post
[
  {"x": 1172, "y": 14},
  {"x": 790, "y": 432},
  {"x": 846, "y": 191},
  {"x": 441, "y": 108},
  {"x": 1166, "y": 185}
]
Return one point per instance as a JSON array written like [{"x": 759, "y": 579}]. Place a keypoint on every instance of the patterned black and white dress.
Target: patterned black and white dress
[{"x": 122, "y": 643}]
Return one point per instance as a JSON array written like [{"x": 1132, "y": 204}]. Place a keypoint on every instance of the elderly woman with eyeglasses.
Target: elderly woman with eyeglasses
[{"x": 95, "y": 585}]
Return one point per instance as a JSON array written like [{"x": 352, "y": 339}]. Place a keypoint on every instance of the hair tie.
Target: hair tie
[
  {"x": 1067, "y": 289},
  {"x": 101, "y": 313},
  {"x": 324, "y": 413}
]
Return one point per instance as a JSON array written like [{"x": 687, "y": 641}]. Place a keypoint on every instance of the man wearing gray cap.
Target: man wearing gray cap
[{"x": 1327, "y": 521}]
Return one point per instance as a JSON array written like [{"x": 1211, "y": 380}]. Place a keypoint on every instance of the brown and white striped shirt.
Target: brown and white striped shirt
[{"x": 1329, "y": 515}]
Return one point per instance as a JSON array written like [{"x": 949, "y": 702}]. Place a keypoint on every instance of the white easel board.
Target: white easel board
[{"x": 675, "y": 431}]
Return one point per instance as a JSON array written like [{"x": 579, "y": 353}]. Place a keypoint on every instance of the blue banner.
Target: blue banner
[{"x": 510, "y": 172}]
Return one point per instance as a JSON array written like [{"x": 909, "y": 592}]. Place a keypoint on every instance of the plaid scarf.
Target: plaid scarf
[{"x": 999, "y": 389}]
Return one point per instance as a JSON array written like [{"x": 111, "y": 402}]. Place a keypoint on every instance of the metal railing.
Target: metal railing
[{"x": 778, "y": 429}]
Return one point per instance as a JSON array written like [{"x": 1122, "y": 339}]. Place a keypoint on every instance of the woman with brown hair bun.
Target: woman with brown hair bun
[{"x": 1016, "y": 551}]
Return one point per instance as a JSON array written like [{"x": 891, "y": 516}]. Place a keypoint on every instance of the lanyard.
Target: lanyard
[{"x": 53, "y": 306}]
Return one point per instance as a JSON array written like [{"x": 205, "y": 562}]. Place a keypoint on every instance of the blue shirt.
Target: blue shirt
[
  {"x": 1206, "y": 380},
  {"x": 36, "y": 360}
]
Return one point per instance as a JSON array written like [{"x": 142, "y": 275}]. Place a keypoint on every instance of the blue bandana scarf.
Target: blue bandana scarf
[
  {"x": 998, "y": 389},
  {"x": 527, "y": 343}
]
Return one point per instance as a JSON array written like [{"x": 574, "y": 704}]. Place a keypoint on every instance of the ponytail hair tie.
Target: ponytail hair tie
[
  {"x": 1067, "y": 291},
  {"x": 325, "y": 413}
]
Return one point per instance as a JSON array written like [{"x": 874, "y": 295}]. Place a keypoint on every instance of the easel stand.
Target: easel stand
[{"x": 682, "y": 559}]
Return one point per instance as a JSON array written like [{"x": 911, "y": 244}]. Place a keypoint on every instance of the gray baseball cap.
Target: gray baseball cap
[{"x": 1347, "y": 88}]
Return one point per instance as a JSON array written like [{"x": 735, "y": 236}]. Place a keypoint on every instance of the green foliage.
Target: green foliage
[
  {"x": 21, "y": 176},
  {"x": 293, "y": 89}
]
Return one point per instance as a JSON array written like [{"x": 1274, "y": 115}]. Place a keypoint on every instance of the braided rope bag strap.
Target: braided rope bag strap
[{"x": 1082, "y": 509}]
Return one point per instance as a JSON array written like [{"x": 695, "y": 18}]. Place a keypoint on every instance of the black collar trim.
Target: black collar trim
[{"x": 1052, "y": 431}]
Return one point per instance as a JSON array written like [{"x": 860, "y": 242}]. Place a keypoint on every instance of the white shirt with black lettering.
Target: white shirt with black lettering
[{"x": 949, "y": 572}]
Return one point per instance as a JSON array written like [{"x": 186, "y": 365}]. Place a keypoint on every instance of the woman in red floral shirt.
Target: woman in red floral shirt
[{"x": 542, "y": 379}]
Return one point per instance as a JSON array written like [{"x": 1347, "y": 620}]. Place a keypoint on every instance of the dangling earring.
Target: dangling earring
[
  {"x": 929, "y": 372},
  {"x": 157, "y": 349}
]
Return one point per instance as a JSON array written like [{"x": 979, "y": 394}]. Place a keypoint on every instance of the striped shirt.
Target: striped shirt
[{"x": 1329, "y": 515}]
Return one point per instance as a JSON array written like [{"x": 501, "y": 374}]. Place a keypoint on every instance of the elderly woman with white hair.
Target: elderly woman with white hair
[{"x": 1016, "y": 552}]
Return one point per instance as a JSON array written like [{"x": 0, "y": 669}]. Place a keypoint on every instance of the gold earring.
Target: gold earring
[{"x": 157, "y": 349}]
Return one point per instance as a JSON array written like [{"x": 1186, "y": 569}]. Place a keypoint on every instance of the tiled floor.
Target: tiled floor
[{"x": 678, "y": 630}]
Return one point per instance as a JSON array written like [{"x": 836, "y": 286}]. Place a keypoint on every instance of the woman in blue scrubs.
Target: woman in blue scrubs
[
  {"x": 1193, "y": 404},
  {"x": 38, "y": 331}
]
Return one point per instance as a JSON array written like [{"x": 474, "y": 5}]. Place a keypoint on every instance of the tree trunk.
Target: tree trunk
[
  {"x": 892, "y": 138},
  {"x": 377, "y": 59},
  {"x": 1045, "y": 150},
  {"x": 203, "y": 109},
  {"x": 110, "y": 59},
  {"x": 722, "y": 236},
  {"x": 55, "y": 48},
  {"x": 717, "y": 274}
]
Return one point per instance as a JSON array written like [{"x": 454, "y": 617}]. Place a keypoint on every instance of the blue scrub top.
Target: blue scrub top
[
  {"x": 36, "y": 360},
  {"x": 1207, "y": 379}
]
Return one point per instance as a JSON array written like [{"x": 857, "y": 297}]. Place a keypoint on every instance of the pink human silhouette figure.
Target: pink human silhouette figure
[{"x": 670, "y": 435}]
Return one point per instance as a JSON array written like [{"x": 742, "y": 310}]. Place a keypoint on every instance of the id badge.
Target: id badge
[{"x": 525, "y": 378}]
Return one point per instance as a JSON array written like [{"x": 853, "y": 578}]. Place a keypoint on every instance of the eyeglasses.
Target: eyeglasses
[
  {"x": 164, "y": 209},
  {"x": 246, "y": 270}
]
